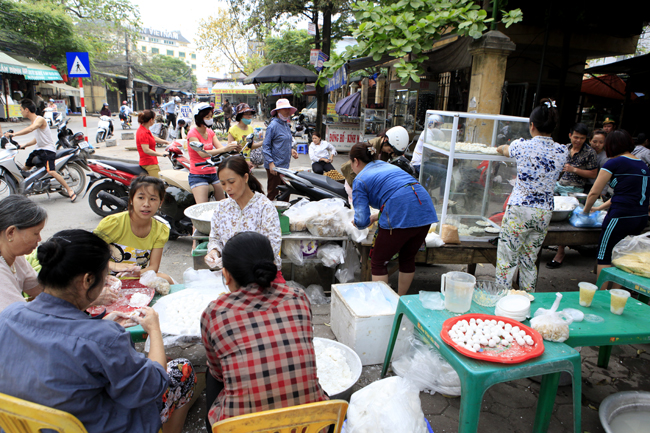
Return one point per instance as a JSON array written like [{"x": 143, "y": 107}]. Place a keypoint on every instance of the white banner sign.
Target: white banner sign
[{"x": 342, "y": 137}]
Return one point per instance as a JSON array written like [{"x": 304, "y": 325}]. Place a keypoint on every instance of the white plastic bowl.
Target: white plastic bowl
[
  {"x": 194, "y": 213},
  {"x": 353, "y": 361},
  {"x": 516, "y": 307}
]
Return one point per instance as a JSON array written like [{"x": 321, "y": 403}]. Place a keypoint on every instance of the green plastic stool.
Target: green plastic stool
[
  {"x": 477, "y": 376},
  {"x": 637, "y": 283}
]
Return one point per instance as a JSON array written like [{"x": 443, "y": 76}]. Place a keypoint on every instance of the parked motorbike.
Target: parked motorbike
[
  {"x": 53, "y": 118},
  {"x": 160, "y": 129},
  {"x": 177, "y": 157},
  {"x": 311, "y": 185},
  {"x": 301, "y": 128},
  {"x": 219, "y": 121},
  {"x": 103, "y": 129},
  {"x": 69, "y": 140},
  {"x": 110, "y": 180},
  {"x": 69, "y": 163}
]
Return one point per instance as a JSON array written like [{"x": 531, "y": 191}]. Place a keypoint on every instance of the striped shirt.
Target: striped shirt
[{"x": 630, "y": 183}]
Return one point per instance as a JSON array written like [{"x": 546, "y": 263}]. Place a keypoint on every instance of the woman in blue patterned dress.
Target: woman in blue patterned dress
[{"x": 539, "y": 163}]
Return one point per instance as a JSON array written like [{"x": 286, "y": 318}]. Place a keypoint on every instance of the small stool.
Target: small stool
[{"x": 301, "y": 148}]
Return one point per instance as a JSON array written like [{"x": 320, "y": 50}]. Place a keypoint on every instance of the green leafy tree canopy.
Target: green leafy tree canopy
[{"x": 407, "y": 30}]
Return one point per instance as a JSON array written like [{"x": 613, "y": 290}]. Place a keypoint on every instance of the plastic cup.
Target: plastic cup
[
  {"x": 618, "y": 300},
  {"x": 587, "y": 291}
]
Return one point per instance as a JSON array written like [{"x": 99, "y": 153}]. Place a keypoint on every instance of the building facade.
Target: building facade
[{"x": 167, "y": 43}]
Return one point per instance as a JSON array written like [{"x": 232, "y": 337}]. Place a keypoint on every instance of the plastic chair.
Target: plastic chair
[
  {"x": 305, "y": 418},
  {"x": 20, "y": 416},
  {"x": 301, "y": 148}
]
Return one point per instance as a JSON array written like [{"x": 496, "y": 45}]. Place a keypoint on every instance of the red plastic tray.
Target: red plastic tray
[
  {"x": 129, "y": 288},
  {"x": 509, "y": 355}
]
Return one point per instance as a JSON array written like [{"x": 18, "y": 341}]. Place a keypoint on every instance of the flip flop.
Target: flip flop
[{"x": 73, "y": 197}]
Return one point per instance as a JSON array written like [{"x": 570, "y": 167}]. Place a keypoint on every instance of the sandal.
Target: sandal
[{"x": 73, "y": 197}]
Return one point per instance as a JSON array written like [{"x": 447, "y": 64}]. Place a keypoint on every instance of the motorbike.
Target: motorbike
[
  {"x": 53, "y": 118},
  {"x": 178, "y": 159},
  {"x": 69, "y": 163},
  {"x": 125, "y": 120},
  {"x": 219, "y": 121},
  {"x": 103, "y": 129},
  {"x": 301, "y": 128},
  {"x": 310, "y": 185},
  {"x": 69, "y": 140}
]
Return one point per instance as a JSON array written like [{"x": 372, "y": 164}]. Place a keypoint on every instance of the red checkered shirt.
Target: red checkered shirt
[{"x": 259, "y": 343}]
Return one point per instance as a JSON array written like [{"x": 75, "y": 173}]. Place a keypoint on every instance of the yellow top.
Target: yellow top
[
  {"x": 126, "y": 247},
  {"x": 240, "y": 136}
]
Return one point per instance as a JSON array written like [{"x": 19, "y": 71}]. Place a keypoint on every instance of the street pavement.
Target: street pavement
[{"x": 507, "y": 407}]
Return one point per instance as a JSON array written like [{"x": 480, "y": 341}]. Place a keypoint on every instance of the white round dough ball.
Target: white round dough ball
[
  {"x": 522, "y": 333},
  {"x": 476, "y": 347},
  {"x": 504, "y": 342},
  {"x": 507, "y": 327},
  {"x": 483, "y": 341},
  {"x": 492, "y": 343},
  {"x": 501, "y": 323}
]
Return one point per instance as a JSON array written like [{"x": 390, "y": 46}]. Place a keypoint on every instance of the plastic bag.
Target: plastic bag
[
  {"x": 150, "y": 279},
  {"x": 432, "y": 300},
  {"x": 425, "y": 367},
  {"x": 632, "y": 254},
  {"x": 352, "y": 264},
  {"x": 388, "y": 405},
  {"x": 292, "y": 250},
  {"x": 302, "y": 212},
  {"x": 561, "y": 203},
  {"x": 449, "y": 234},
  {"x": 347, "y": 217},
  {"x": 331, "y": 254},
  {"x": 367, "y": 299},
  {"x": 551, "y": 324},
  {"x": 316, "y": 295},
  {"x": 180, "y": 313},
  {"x": 202, "y": 278},
  {"x": 578, "y": 219},
  {"x": 326, "y": 225},
  {"x": 433, "y": 240}
]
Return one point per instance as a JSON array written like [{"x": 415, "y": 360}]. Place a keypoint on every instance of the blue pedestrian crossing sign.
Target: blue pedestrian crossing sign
[{"x": 78, "y": 65}]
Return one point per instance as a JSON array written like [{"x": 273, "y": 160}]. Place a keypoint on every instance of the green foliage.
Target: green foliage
[
  {"x": 410, "y": 28},
  {"x": 292, "y": 46},
  {"x": 167, "y": 70}
]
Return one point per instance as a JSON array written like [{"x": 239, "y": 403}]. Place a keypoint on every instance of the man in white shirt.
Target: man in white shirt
[{"x": 45, "y": 149}]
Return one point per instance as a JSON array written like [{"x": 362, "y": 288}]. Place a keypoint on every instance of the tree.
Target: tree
[
  {"x": 407, "y": 29},
  {"x": 291, "y": 46},
  {"x": 167, "y": 71}
]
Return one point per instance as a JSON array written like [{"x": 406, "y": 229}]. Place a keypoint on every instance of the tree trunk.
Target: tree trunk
[
  {"x": 321, "y": 97},
  {"x": 129, "y": 75}
]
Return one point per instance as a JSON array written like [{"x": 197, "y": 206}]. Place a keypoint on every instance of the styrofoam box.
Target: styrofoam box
[{"x": 368, "y": 335}]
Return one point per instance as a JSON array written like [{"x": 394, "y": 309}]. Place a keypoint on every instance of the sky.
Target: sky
[{"x": 161, "y": 16}]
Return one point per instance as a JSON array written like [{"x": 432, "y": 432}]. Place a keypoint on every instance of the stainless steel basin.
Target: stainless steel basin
[{"x": 622, "y": 402}]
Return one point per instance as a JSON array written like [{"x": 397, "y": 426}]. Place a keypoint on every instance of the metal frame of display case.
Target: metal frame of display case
[
  {"x": 364, "y": 136},
  {"x": 453, "y": 155}
]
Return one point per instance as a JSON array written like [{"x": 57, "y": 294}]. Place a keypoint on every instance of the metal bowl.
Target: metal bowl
[
  {"x": 487, "y": 293},
  {"x": 622, "y": 403},
  {"x": 199, "y": 216},
  {"x": 561, "y": 215},
  {"x": 582, "y": 197},
  {"x": 353, "y": 361},
  {"x": 281, "y": 205}
]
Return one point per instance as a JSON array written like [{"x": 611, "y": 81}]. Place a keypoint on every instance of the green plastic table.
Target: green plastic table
[
  {"x": 632, "y": 327},
  {"x": 629, "y": 281},
  {"x": 477, "y": 376},
  {"x": 137, "y": 333}
]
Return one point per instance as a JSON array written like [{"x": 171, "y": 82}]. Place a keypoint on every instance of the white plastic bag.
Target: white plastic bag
[
  {"x": 387, "y": 406},
  {"x": 326, "y": 225},
  {"x": 347, "y": 217},
  {"x": 331, "y": 255},
  {"x": 551, "y": 324},
  {"x": 432, "y": 300},
  {"x": 292, "y": 250},
  {"x": 632, "y": 254},
  {"x": 352, "y": 264},
  {"x": 196, "y": 279},
  {"x": 433, "y": 240},
  {"x": 150, "y": 279},
  {"x": 367, "y": 299},
  {"x": 316, "y": 295},
  {"x": 425, "y": 367}
]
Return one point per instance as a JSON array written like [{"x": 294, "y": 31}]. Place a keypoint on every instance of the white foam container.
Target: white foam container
[
  {"x": 515, "y": 307},
  {"x": 368, "y": 335}
]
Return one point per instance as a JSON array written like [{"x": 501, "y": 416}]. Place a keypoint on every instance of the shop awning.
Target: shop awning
[
  {"x": 63, "y": 89},
  {"x": 632, "y": 66},
  {"x": 9, "y": 65},
  {"x": 37, "y": 71},
  {"x": 607, "y": 86}
]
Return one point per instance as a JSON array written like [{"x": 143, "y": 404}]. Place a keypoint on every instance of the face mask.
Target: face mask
[
  {"x": 285, "y": 118},
  {"x": 247, "y": 121},
  {"x": 208, "y": 122}
]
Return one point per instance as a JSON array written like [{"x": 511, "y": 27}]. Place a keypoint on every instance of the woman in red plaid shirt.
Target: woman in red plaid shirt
[{"x": 258, "y": 338}]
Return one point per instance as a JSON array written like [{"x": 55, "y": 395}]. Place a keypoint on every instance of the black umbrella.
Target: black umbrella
[{"x": 281, "y": 73}]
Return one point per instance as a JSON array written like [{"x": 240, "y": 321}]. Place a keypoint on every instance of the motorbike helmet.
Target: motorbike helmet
[
  {"x": 177, "y": 99},
  {"x": 434, "y": 121},
  {"x": 200, "y": 107},
  {"x": 124, "y": 102},
  {"x": 398, "y": 139},
  {"x": 404, "y": 164},
  {"x": 105, "y": 104}
]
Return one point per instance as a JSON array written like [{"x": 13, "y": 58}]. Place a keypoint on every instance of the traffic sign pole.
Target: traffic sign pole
[{"x": 83, "y": 108}]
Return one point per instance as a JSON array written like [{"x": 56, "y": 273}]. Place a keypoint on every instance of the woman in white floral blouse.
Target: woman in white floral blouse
[
  {"x": 245, "y": 210},
  {"x": 539, "y": 163}
]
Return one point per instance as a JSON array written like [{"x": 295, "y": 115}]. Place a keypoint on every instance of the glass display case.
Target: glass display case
[
  {"x": 373, "y": 121},
  {"x": 468, "y": 180}
]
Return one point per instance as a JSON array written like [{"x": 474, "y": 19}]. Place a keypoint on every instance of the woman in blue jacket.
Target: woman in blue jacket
[{"x": 406, "y": 213}]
